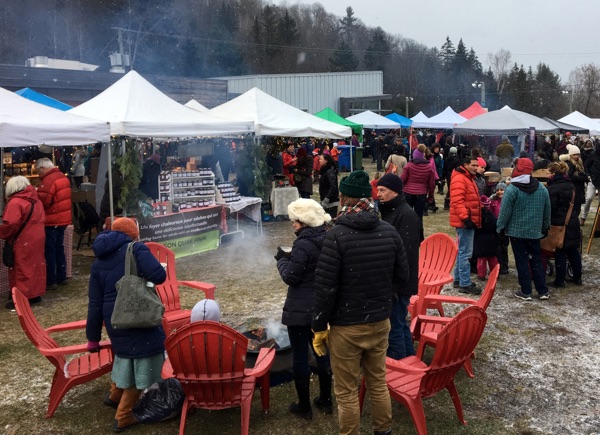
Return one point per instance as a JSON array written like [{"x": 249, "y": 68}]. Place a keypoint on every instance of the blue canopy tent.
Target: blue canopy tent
[
  {"x": 32, "y": 95},
  {"x": 402, "y": 120}
]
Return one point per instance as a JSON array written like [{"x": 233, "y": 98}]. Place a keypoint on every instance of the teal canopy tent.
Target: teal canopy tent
[
  {"x": 32, "y": 95},
  {"x": 329, "y": 115}
]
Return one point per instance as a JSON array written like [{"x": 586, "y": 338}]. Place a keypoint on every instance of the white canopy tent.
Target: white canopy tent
[
  {"x": 193, "y": 104},
  {"x": 578, "y": 119},
  {"x": 372, "y": 120},
  {"x": 26, "y": 123},
  {"x": 418, "y": 119},
  {"x": 445, "y": 119},
  {"x": 134, "y": 107},
  {"x": 505, "y": 121},
  {"x": 272, "y": 117}
]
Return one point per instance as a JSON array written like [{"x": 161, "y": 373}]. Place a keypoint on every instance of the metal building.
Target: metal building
[{"x": 346, "y": 93}]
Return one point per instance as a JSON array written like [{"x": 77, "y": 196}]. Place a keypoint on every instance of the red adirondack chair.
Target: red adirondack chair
[
  {"x": 437, "y": 255},
  {"x": 410, "y": 379},
  {"x": 168, "y": 291},
  {"x": 208, "y": 358},
  {"x": 425, "y": 331},
  {"x": 84, "y": 368}
]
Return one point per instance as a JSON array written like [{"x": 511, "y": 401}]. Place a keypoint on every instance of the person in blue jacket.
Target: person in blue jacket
[{"x": 139, "y": 352}]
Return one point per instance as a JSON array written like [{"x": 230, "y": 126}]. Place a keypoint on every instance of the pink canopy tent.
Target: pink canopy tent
[{"x": 473, "y": 110}]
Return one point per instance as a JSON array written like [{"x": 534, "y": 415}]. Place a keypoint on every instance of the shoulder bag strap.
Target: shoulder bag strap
[
  {"x": 130, "y": 265},
  {"x": 570, "y": 208},
  {"x": 14, "y": 239}
]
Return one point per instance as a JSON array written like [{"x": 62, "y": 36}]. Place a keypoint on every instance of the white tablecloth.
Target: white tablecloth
[
  {"x": 281, "y": 197},
  {"x": 247, "y": 205}
]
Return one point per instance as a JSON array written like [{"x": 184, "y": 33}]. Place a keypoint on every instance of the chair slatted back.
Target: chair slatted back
[
  {"x": 437, "y": 253},
  {"x": 34, "y": 331},
  {"x": 168, "y": 292},
  {"x": 208, "y": 358},
  {"x": 455, "y": 344}
]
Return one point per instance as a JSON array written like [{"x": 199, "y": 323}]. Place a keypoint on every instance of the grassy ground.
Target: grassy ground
[{"x": 250, "y": 293}]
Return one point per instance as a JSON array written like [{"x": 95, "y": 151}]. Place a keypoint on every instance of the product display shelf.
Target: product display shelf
[{"x": 187, "y": 189}]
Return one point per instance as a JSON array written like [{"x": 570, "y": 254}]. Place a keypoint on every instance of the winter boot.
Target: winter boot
[
  {"x": 383, "y": 432},
  {"x": 124, "y": 418},
  {"x": 302, "y": 409},
  {"x": 447, "y": 203},
  {"x": 323, "y": 401},
  {"x": 113, "y": 398}
]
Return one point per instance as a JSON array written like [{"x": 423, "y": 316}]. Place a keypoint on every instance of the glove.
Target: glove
[
  {"x": 469, "y": 224},
  {"x": 281, "y": 254},
  {"x": 320, "y": 340},
  {"x": 93, "y": 346},
  {"x": 325, "y": 203}
]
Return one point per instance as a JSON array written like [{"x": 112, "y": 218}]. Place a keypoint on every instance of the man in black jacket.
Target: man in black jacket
[
  {"x": 362, "y": 265},
  {"x": 396, "y": 211}
]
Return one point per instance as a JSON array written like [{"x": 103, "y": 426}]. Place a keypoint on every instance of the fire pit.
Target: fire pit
[{"x": 275, "y": 337}]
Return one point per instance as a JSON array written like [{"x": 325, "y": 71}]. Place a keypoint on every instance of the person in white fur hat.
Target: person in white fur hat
[{"x": 297, "y": 269}]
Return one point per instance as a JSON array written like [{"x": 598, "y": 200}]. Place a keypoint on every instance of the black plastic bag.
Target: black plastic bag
[{"x": 161, "y": 401}]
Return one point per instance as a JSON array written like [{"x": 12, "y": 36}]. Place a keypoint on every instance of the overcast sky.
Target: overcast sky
[{"x": 562, "y": 34}]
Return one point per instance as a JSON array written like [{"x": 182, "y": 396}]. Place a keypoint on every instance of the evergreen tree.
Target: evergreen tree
[
  {"x": 447, "y": 52},
  {"x": 377, "y": 51},
  {"x": 343, "y": 59},
  {"x": 474, "y": 61},
  {"x": 347, "y": 24}
]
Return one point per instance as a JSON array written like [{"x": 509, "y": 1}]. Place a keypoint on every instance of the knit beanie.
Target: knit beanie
[
  {"x": 453, "y": 150},
  {"x": 573, "y": 149},
  {"x": 501, "y": 186},
  {"x": 418, "y": 154},
  {"x": 126, "y": 226},
  {"x": 524, "y": 166},
  {"x": 481, "y": 163},
  {"x": 308, "y": 211},
  {"x": 391, "y": 181},
  {"x": 356, "y": 185},
  {"x": 485, "y": 201},
  {"x": 206, "y": 309}
]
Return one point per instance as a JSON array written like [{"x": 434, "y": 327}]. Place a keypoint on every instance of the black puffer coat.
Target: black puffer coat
[
  {"x": 361, "y": 266},
  {"x": 398, "y": 213},
  {"x": 486, "y": 241},
  {"x": 298, "y": 272},
  {"x": 560, "y": 190},
  {"x": 578, "y": 179},
  {"x": 328, "y": 183}
]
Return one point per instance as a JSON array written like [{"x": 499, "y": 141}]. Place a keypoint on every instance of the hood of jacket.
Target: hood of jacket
[
  {"x": 391, "y": 205},
  {"x": 362, "y": 221},
  {"x": 525, "y": 183},
  {"x": 312, "y": 233},
  {"x": 28, "y": 194},
  {"x": 108, "y": 242}
]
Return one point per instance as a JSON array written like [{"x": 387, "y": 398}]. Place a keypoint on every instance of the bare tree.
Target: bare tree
[
  {"x": 585, "y": 86},
  {"x": 500, "y": 64}
]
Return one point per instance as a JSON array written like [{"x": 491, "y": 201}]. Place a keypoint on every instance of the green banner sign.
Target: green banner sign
[{"x": 185, "y": 233}]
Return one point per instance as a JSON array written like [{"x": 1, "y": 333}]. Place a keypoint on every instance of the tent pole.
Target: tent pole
[
  {"x": 2, "y": 173},
  {"x": 110, "y": 185}
]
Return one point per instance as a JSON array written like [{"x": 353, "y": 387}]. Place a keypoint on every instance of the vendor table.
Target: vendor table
[
  {"x": 248, "y": 206},
  {"x": 67, "y": 243},
  {"x": 281, "y": 197},
  {"x": 187, "y": 232}
]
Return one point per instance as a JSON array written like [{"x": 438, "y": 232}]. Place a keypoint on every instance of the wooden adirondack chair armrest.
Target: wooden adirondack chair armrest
[
  {"x": 79, "y": 324},
  {"x": 198, "y": 285},
  {"x": 263, "y": 363},
  {"x": 70, "y": 350},
  {"x": 399, "y": 366},
  {"x": 450, "y": 299}
]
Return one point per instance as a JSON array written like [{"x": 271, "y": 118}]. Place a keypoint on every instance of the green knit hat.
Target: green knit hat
[{"x": 356, "y": 185}]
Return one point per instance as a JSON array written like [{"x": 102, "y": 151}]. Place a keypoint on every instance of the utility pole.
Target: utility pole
[{"x": 407, "y": 99}]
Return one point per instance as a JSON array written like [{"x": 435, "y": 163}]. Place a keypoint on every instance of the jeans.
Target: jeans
[
  {"x": 462, "y": 270},
  {"x": 300, "y": 339},
  {"x": 400, "y": 341},
  {"x": 574, "y": 257},
  {"x": 353, "y": 347},
  {"x": 418, "y": 203},
  {"x": 528, "y": 255},
  {"x": 56, "y": 263}
]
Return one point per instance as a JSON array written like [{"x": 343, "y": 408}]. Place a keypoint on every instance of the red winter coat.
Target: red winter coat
[
  {"x": 418, "y": 178},
  {"x": 29, "y": 272},
  {"x": 55, "y": 194},
  {"x": 288, "y": 162},
  {"x": 464, "y": 199}
]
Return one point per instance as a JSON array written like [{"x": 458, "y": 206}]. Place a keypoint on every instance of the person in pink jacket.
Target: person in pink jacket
[{"x": 418, "y": 178}]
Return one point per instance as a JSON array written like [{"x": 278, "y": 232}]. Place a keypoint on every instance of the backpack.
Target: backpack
[{"x": 84, "y": 217}]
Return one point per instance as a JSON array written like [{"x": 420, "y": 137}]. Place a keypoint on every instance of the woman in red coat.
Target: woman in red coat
[{"x": 29, "y": 271}]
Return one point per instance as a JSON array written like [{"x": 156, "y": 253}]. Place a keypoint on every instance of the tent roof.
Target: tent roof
[
  {"x": 32, "y": 95},
  {"x": 505, "y": 121},
  {"x": 473, "y": 110},
  {"x": 448, "y": 118},
  {"x": 419, "y": 117},
  {"x": 193, "y": 104},
  {"x": 272, "y": 117},
  {"x": 402, "y": 120},
  {"x": 136, "y": 108},
  {"x": 372, "y": 120},
  {"x": 567, "y": 127},
  {"x": 580, "y": 120},
  {"x": 329, "y": 115},
  {"x": 25, "y": 123}
]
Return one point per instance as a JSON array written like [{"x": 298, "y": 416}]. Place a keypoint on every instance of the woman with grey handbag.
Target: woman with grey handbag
[{"x": 139, "y": 352}]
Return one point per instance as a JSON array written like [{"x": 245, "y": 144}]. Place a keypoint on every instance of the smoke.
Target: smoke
[{"x": 278, "y": 332}]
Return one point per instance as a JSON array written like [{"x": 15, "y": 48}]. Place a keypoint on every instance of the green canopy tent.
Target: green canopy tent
[{"x": 329, "y": 115}]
